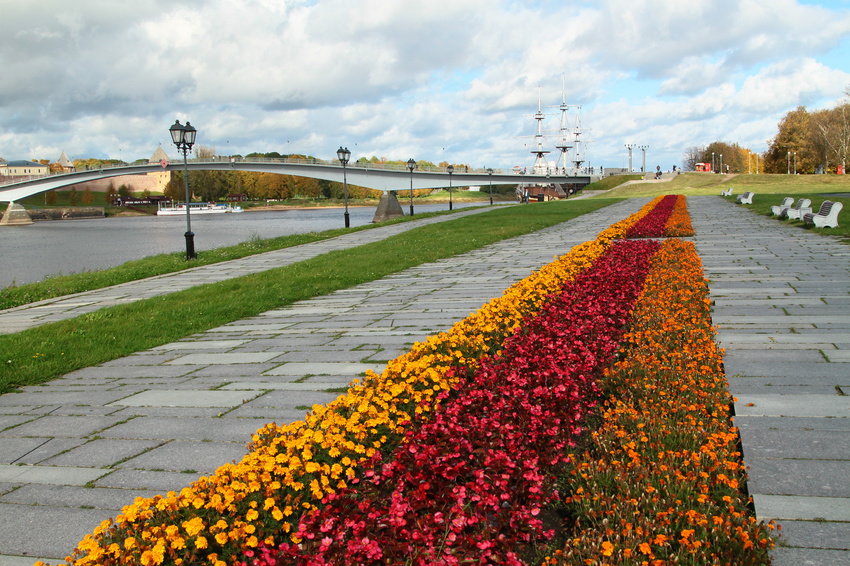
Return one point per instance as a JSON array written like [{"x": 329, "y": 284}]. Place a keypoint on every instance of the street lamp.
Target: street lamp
[
  {"x": 450, "y": 169},
  {"x": 490, "y": 172},
  {"x": 795, "y": 162},
  {"x": 184, "y": 138},
  {"x": 721, "y": 163},
  {"x": 712, "y": 163},
  {"x": 344, "y": 155},
  {"x": 411, "y": 164},
  {"x": 788, "y": 170},
  {"x": 630, "y": 146}
]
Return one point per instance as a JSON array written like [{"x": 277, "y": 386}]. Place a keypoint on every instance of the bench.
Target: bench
[
  {"x": 797, "y": 211},
  {"x": 746, "y": 198},
  {"x": 826, "y": 217},
  {"x": 779, "y": 209},
  {"x": 727, "y": 192}
]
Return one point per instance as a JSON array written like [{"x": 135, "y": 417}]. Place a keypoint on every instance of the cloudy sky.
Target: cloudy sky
[{"x": 454, "y": 80}]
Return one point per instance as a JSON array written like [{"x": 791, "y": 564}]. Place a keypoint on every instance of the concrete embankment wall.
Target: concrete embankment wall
[{"x": 63, "y": 213}]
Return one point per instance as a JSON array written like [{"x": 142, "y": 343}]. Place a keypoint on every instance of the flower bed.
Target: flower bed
[
  {"x": 470, "y": 484},
  {"x": 665, "y": 216},
  {"x": 291, "y": 469},
  {"x": 662, "y": 481}
]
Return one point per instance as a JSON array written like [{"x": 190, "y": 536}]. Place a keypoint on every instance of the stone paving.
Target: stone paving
[
  {"x": 69, "y": 306},
  {"x": 782, "y": 308},
  {"x": 75, "y": 450}
]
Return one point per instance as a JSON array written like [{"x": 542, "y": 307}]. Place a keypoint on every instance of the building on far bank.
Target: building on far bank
[
  {"x": 23, "y": 169},
  {"x": 155, "y": 182},
  {"x": 65, "y": 163}
]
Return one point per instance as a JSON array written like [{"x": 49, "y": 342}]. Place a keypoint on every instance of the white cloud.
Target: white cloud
[{"x": 407, "y": 78}]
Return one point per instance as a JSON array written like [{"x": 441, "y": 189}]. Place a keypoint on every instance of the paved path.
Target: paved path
[
  {"x": 73, "y": 451},
  {"x": 69, "y": 306},
  {"x": 783, "y": 311}
]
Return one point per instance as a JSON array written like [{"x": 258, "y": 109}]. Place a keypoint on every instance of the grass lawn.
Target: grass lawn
[
  {"x": 769, "y": 190},
  {"x": 40, "y": 354},
  {"x": 689, "y": 184}
]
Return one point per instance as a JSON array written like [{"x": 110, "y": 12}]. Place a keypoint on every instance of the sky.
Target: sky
[{"x": 439, "y": 80}]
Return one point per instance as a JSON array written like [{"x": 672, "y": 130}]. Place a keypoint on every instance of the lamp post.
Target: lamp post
[
  {"x": 795, "y": 162},
  {"x": 490, "y": 172},
  {"x": 184, "y": 138},
  {"x": 411, "y": 165},
  {"x": 344, "y": 155},
  {"x": 643, "y": 149},
  {"x": 788, "y": 170},
  {"x": 712, "y": 163},
  {"x": 630, "y": 147},
  {"x": 450, "y": 169},
  {"x": 721, "y": 163}
]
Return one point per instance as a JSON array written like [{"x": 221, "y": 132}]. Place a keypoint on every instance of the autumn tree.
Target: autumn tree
[
  {"x": 88, "y": 196},
  {"x": 794, "y": 136},
  {"x": 111, "y": 193},
  {"x": 209, "y": 185}
]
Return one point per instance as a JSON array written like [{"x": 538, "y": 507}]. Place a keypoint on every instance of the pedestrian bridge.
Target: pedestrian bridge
[{"x": 383, "y": 177}]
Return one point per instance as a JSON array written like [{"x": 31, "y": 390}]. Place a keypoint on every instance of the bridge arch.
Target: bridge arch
[{"x": 389, "y": 178}]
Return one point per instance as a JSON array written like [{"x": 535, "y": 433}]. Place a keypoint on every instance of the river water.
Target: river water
[{"x": 44, "y": 249}]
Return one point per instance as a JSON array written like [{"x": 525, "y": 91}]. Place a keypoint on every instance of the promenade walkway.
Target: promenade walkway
[
  {"x": 75, "y": 450},
  {"x": 69, "y": 306},
  {"x": 782, "y": 308}
]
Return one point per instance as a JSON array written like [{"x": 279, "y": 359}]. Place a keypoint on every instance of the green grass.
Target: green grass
[
  {"x": 763, "y": 201},
  {"x": 769, "y": 190},
  {"x": 40, "y": 354},
  {"x": 60, "y": 285},
  {"x": 711, "y": 184}
]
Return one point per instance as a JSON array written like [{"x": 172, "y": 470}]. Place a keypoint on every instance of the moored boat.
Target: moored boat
[{"x": 197, "y": 208}]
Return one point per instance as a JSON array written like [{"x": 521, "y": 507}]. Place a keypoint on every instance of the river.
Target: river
[{"x": 48, "y": 248}]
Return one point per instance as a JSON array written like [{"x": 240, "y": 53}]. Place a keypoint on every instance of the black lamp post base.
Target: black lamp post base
[
  {"x": 347, "y": 221},
  {"x": 411, "y": 210},
  {"x": 190, "y": 245}
]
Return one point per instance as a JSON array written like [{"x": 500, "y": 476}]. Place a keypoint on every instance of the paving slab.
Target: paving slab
[
  {"x": 792, "y": 415},
  {"x": 185, "y": 398}
]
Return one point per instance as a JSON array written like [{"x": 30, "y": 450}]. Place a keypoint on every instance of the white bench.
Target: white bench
[
  {"x": 826, "y": 217},
  {"x": 727, "y": 192},
  {"x": 797, "y": 211},
  {"x": 746, "y": 198},
  {"x": 779, "y": 209}
]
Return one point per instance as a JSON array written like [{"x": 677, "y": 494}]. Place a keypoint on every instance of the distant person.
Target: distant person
[{"x": 658, "y": 171}]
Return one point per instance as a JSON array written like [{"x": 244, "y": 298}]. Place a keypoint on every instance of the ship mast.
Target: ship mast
[
  {"x": 564, "y": 130},
  {"x": 539, "y": 162},
  {"x": 578, "y": 144}
]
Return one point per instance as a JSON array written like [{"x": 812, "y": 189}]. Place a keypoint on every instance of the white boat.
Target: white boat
[{"x": 197, "y": 208}]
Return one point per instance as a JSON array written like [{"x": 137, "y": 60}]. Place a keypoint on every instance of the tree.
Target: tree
[
  {"x": 73, "y": 197},
  {"x": 175, "y": 190},
  {"x": 88, "y": 196},
  {"x": 831, "y": 134},
  {"x": 51, "y": 197},
  {"x": 111, "y": 193},
  {"x": 794, "y": 136},
  {"x": 693, "y": 155}
]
